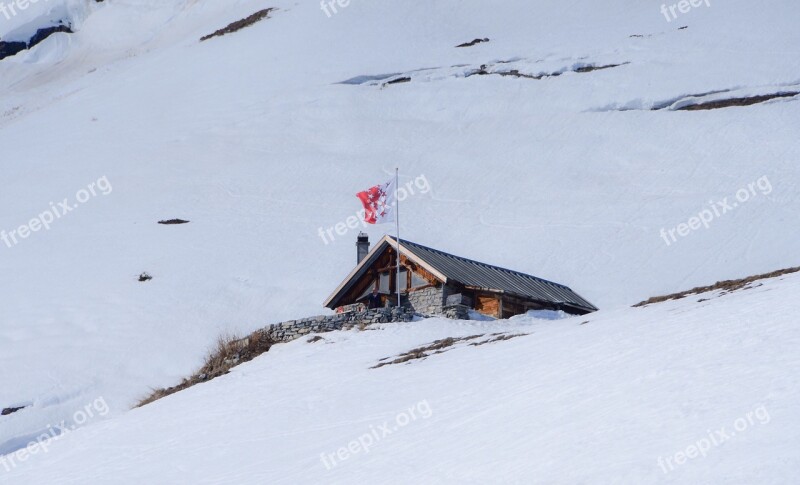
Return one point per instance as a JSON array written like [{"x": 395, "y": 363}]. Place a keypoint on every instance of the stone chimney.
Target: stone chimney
[{"x": 362, "y": 247}]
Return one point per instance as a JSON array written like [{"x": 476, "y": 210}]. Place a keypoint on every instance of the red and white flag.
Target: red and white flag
[{"x": 379, "y": 203}]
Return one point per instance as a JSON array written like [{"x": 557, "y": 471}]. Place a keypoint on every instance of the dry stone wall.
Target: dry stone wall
[{"x": 294, "y": 329}]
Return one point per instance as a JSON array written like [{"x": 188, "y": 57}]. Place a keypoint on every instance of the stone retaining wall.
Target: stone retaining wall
[
  {"x": 429, "y": 301},
  {"x": 294, "y": 329}
]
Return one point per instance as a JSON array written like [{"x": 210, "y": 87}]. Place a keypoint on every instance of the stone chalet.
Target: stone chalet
[{"x": 433, "y": 282}]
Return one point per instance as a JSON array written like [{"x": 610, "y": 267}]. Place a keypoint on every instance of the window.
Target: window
[
  {"x": 383, "y": 285},
  {"x": 403, "y": 280},
  {"x": 417, "y": 280}
]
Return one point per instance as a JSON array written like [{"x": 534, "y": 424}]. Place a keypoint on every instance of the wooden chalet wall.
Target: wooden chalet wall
[
  {"x": 387, "y": 263},
  {"x": 488, "y": 304},
  {"x": 498, "y": 305}
]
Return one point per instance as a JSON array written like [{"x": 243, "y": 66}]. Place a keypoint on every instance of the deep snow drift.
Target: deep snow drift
[{"x": 261, "y": 138}]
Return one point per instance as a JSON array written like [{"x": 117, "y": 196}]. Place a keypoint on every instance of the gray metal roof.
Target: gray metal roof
[
  {"x": 485, "y": 276},
  {"x": 470, "y": 273}
]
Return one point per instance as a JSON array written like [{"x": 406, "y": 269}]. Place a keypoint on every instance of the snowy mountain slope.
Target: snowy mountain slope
[
  {"x": 612, "y": 397},
  {"x": 253, "y": 138}
]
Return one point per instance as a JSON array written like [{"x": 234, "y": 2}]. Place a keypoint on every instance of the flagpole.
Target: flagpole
[{"x": 397, "y": 228}]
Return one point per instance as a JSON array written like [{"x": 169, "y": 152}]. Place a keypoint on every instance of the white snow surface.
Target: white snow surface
[
  {"x": 257, "y": 139},
  {"x": 590, "y": 399}
]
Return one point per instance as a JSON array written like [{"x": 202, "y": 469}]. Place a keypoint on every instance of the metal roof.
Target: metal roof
[
  {"x": 485, "y": 276},
  {"x": 467, "y": 272}
]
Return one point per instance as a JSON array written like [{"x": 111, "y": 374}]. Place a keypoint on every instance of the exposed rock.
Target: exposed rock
[
  {"x": 11, "y": 410},
  {"x": 8, "y": 49},
  {"x": 726, "y": 286},
  {"x": 239, "y": 24},
  {"x": 42, "y": 34},
  {"x": 744, "y": 101},
  {"x": 473, "y": 42}
]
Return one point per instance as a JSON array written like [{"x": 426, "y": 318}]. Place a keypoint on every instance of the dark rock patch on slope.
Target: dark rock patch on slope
[
  {"x": 11, "y": 410},
  {"x": 725, "y": 287},
  {"x": 473, "y": 42},
  {"x": 239, "y": 24},
  {"x": 744, "y": 101},
  {"x": 484, "y": 71},
  {"x": 8, "y": 49}
]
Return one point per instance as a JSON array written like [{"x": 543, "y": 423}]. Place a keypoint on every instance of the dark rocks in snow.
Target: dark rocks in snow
[
  {"x": 498, "y": 68},
  {"x": 173, "y": 221},
  {"x": 473, "y": 42},
  {"x": 743, "y": 101},
  {"x": 484, "y": 70},
  {"x": 239, "y": 24},
  {"x": 399, "y": 80},
  {"x": 11, "y": 410},
  {"x": 42, "y": 34},
  {"x": 591, "y": 68},
  {"x": 145, "y": 277},
  {"x": 8, "y": 49},
  {"x": 725, "y": 287}
]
